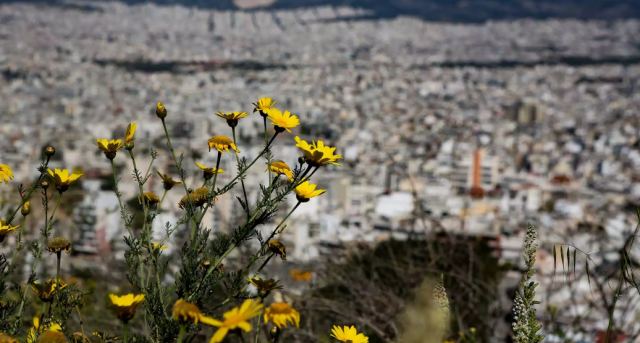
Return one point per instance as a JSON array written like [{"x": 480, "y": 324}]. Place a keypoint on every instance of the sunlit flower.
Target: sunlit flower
[
  {"x": 5, "y": 229},
  {"x": 46, "y": 290},
  {"x": 58, "y": 244},
  {"x": 222, "y": 144},
  {"x": 265, "y": 286},
  {"x": 262, "y": 105},
  {"x": 109, "y": 146},
  {"x": 278, "y": 248},
  {"x": 129, "y": 135},
  {"x": 280, "y": 167},
  {"x": 167, "y": 181},
  {"x": 33, "y": 331},
  {"x": 208, "y": 172},
  {"x": 63, "y": 179},
  {"x": 348, "y": 334},
  {"x": 125, "y": 306},
  {"x": 317, "y": 153},
  {"x": 6, "y": 174},
  {"x": 196, "y": 198},
  {"x": 161, "y": 111},
  {"x": 236, "y": 318},
  {"x": 187, "y": 312},
  {"x": 151, "y": 199},
  {"x": 282, "y": 120},
  {"x": 307, "y": 190},
  {"x": 4, "y": 338},
  {"x": 301, "y": 275},
  {"x": 232, "y": 117},
  {"x": 282, "y": 315}
]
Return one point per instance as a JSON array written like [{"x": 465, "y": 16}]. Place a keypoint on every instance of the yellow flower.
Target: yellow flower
[
  {"x": 161, "y": 111},
  {"x": 232, "y": 117},
  {"x": 6, "y": 174},
  {"x": 236, "y": 318},
  {"x": 5, "y": 229},
  {"x": 25, "y": 209},
  {"x": 279, "y": 167},
  {"x": 187, "y": 312},
  {"x": 278, "y": 248},
  {"x": 317, "y": 154},
  {"x": 129, "y": 135},
  {"x": 348, "y": 334},
  {"x": 307, "y": 190},
  {"x": 222, "y": 144},
  {"x": 45, "y": 291},
  {"x": 208, "y": 172},
  {"x": 51, "y": 327},
  {"x": 167, "y": 181},
  {"x": 150, "y": 198},
  {"x": 196, "y": 198},
  {"x": 4, "y": 338},
  {"x": 109, "y": 146},
  {"x": 263, "y": 105},
  {"x": 282, "y": 120},
  {"x": 282, "y": 315},
  {"x": 125, "y": 305},
  {"x": 58, "y": 244},
  {"x": 155, "y": 246},
  {"x": 300, "y": 275},
  {"x": 63, "y": 178}
]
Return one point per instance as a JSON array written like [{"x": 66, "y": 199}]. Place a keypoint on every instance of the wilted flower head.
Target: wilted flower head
[
  {"x": 129, "y": 135},
  {"x": 317, "y": 153},
  {"x": 58, "y": 244},
  {"x": 6, "y": 174},
  {"x": 265, "y": 286},
  {"x": 280, "y": 167},
  {"x": 232, "y": 117},
  {"x": 5, "y": 229},
  {"x": 208, "y": 172},
  {"x": 222, "y": 144},
  {"x": 262, "y": 105},
  {"x": 236, "y": 318},
  {"x": 161, "y": 111},
  {"x": 282, "y": 120},
  {"x": 151, "y": 199},
  {"x": 196, "y": 198},
  {"x": 348, "y": 334},
  {"x": 46, "y": 290},
  {"x": 125, "y": 306},
  {"x": 278, "y": 248},
  {"x": 307, "y": 190},
  {"x": 109, "y": 146},
  {"x": 167, "y": 181},
  {"x": 282, "y": 315},
  {"x": 155, "y": 246},
  {"x": 185, "y": 311},
  {"x": 63, "y": 179}
]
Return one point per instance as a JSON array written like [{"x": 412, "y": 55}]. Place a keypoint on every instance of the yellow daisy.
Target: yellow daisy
[
  {"x": 6, "y": 174},
  {"x": 46, "y": 290},
  {"x": 348, "y": 334},
  {"x": 208, "y": 172},
  {"x": 282, "y": 120},
  {"x": 196, "y": 198},
  {"x": 222, "y": 144},
  {"x": 236, "y": 318},
  {"x": 129, "y": 135},
  {"x": 232, "y": 117},
  {"x": 5, "y": 229},
  {"x": 63, "y": 179},
  {"x": 109, "y": 146},
  {"x": 263, "y": 105},
  {"x": 187, "y": 312},
  {"x": 280, "y": 167},
  {"x": 317, "y": 154},
  {"x": 125, "y": 306},
  {"x": 52, "y": 327},
  {"x": 155, "y": 246},
  {"x": 307, "y": 190},
  {"x": 282, "y": 315},
  {"x": 161, "y": 111}
]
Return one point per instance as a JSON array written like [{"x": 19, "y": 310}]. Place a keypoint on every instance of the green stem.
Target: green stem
[
  {"x": 264, "y": 121},
  {"x": 123, "y": 212},
  {"x": 244, "y": 190},
  {"x": 183, "y": 331}
]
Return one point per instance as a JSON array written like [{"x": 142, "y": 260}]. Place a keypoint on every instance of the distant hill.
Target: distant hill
[{"x": 436, "y": 10}]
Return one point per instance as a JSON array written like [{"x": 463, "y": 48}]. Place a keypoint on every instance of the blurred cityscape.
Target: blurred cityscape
[{"x": 472, "y": 128}]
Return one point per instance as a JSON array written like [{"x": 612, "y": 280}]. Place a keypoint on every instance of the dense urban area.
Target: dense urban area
[{"x": 475, "y": 129}]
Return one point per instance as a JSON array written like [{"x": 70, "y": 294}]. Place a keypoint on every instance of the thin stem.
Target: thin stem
[
  {"x": 183, "y": 331},
  {"x": 266, "y": 140},
  {"x": 125, "y": 334},
  {"x": 123, "y": 212},
  {"x": 27, "y": 196},
  {"x": 244, "y": 190}
]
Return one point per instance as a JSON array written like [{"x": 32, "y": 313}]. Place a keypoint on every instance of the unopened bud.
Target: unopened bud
[
  {"x": 49, "y": 151},
  {"x": 161, "y": 111},
  {"x": 25, "y": 209}
]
